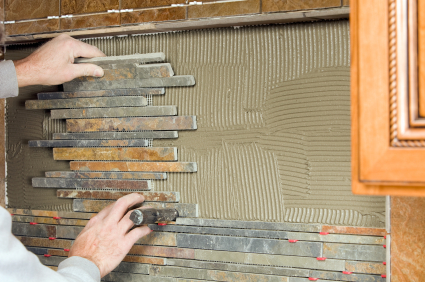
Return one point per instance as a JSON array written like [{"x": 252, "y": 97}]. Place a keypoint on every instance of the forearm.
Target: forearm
[{"x": 17, "y": 264}]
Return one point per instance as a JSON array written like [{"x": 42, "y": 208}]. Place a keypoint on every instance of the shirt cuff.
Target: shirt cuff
[
  {"x": 8, "y": 80},
  {"x": 79, "y": 267}
]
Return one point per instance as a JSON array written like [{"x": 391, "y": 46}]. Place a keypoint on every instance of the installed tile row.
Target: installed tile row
[{"x": 266, "y": 254}]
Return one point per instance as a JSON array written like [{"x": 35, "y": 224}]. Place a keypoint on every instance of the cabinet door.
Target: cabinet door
[{"x": 388, "y": 97}]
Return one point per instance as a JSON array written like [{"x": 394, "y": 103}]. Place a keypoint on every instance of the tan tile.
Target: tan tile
[
  {"x": 38, "y": 26},
  {"x": 407, "y": 239},
  {"x": 135, "y": 4},
  {"x": 291, "y": 5},
  {"x": 345, "y": 2},
  {"x": 154, "y": 15},
  {"x": 34, "y": 9},
  {"x": 82, "y": 6},
  {"x": 99, "y": 20},
  {"x": 224, "y": 9}
]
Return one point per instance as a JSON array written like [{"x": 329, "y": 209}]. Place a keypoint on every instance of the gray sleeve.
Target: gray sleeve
[
  {"x": 8, "y": 80},
  {"x": 17, "y": 264}
]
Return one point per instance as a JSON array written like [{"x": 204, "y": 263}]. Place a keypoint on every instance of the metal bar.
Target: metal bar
[
  {"x": 116, "y": 154},
  {"x": 132, "y": 124},
  {"x": 100, "y": 93},
  {"x": 117, "y": 135},
  {"x": 111, "y": 175},
  {"x": 115, "y": 112},
  {"x": 149, "y": 216},
  {"x": 91, "y": 183},
  {"x": 135, "y": 166},
  {"x": 107, "y": 102},
  {"x": 89, "y": 143}
]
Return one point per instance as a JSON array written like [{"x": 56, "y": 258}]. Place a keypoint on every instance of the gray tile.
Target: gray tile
[
  {"x": 110, "y": 175},
  {"x": 249, "y": 245},
  {"x": 239, "y": 267},
  {"x": 129, "y": 277},
  {"x": 250, "y": 224},
  {"x": 50, "y": 182},
  {"x": 101, "y": 93},
  {"x": 51, "y": 261},
  {"x": 107, "y": 102},
  {"x": 128, "y": 267},
  {"x": 339, "y": 276},
  {"x": 354, "y": 252},
  {"x": 39, "y": 230},
  {"x": 37, "y": 251},
  {"x": 88, "y": 143},
  {"x": 125, "y": 59}
]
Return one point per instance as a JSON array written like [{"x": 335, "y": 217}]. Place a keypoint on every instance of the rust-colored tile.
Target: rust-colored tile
[
  {"x": 99, "y": 20},
  {"x": 345, "y": 2},
  {"x": 136, "y": 4},
  {"x": 141, "y": 259},
  {"x": 115, "y": 195},
  {"x": 55, "y": 268},
  {"x": 291, "y": 5},
  {"x": 159, "y": 239},
  {"x": 154, "y": 15},
  {"x": 135, "y": 166},
  {"x": 38, "y": 26},
  {"x": 224, "y": 9},
  {"x": 407, "y": 239},
  {"x": 50, "y": 220},
  {"x": 82, "y": 6},
  {"x": 58, "y": 253},
  {"x": 45, "y": 242},
  {"x": 354, "y": 230},
  {"x": 35, "y": 9}
]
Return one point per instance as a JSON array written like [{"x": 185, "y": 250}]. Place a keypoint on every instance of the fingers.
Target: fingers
[
  {"x": 136, "y": 234},
  {"x": 126, "y": 223},
  {"x": 87, "y": 70},
  {"x": 85, "y": 50},
  {"x": 122, "y": 205}
]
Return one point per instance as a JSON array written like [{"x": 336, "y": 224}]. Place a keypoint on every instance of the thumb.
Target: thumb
[{"x": 87, "y": 70}]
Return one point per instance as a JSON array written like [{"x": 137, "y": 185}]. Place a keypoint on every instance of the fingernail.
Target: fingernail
[{"x": 98, "y": 72}]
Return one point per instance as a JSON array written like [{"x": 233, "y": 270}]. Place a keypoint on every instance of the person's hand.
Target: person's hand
[
  {"x": 106, "y": 239},
  {"x": 53, "y": 63}
]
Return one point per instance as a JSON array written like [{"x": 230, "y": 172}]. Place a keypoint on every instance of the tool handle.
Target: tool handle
[{"x": 150, "y": 215}]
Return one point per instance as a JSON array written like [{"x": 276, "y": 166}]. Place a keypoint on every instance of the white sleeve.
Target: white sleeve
[
  {"x": 8, "y": 80},
  {"x": 17, "y": 264}
]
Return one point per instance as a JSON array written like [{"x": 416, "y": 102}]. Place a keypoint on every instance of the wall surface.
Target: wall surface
[
  {"x": 273, "y": 138},
  {"x": 44, "y": 16}
]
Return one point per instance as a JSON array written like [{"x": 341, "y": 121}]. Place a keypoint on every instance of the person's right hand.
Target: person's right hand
[{"x": 106, "y": 239}]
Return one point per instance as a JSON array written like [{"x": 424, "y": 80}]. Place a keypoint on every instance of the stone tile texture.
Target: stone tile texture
[
  {"x": 293, "y": 5},
  {"x": 154, "y": 15},
  {"x": 82, "y": 6},
  {"x": 137, "y": 4},
  {"x": 32, "y": 27},
  {"x": 218, "y": 9},
  {"x": 34, "y": 9},
  {"x": 98, "y": 20}
]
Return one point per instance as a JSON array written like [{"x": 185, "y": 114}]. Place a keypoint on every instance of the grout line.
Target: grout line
[{"x": 261, "y": 6}]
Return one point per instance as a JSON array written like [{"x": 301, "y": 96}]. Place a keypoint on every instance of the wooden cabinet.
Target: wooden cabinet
[{"x": 388, "y": 97}]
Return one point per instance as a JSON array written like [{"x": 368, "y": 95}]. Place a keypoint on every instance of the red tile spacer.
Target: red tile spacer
[
  {"x": 384, "y": 276},
  {"x": 313, "y": 279},
  {"x": 321, "y": 258},
  {"x": 52, "y": 238},
  {"x": 292, "y": 241},
  {"x": 384, "y": 263},
  {"x": 11, "y": 214},
  {"x": 66, "y": 250},
  {"x": 33, "y": 223},
  {"x": 385, "y": 236},
  {"x": 47, "y": 256},
  {"x": 384, "y": 246},
  {"x": 347, "y": 272},
  {"x": 56, "y": 217},
  {"x": 162, "y": 224},
  {"x": 324, "y": 233}
]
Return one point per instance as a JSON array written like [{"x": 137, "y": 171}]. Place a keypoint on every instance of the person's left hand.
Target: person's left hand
[{"x": 53, "y": 63}]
